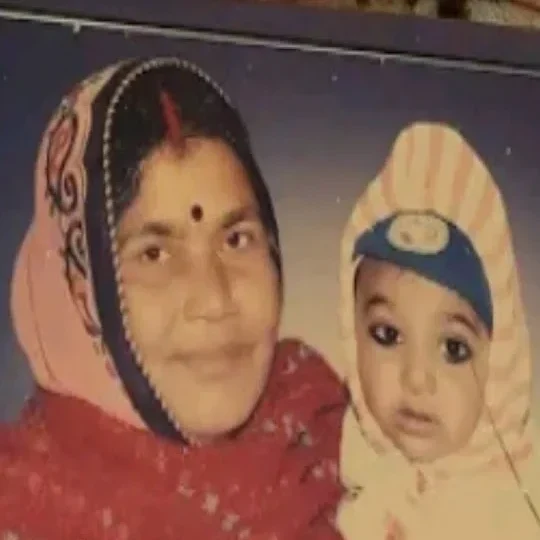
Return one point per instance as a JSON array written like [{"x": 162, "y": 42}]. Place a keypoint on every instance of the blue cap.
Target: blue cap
[{"x": 435, "y": 248}]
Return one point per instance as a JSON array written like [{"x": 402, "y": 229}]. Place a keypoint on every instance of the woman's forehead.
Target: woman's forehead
[{"x": 207, "y": 176}]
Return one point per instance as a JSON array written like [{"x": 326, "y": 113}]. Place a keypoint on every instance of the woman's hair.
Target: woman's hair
[{"x": 169, "y": 104}]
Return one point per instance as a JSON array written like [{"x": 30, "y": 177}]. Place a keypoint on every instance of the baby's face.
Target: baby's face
[{"x": 422, "y": 359}]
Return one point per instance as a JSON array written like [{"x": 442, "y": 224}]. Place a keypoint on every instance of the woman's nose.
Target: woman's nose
[
  {"x": 208, "y": 291},
  {"x": 418, "y": 374}
]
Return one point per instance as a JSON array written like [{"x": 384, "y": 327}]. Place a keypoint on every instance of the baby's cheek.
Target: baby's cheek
[
  {"x": 383, "y": 385},
  {"x": 461, "y": 409}
]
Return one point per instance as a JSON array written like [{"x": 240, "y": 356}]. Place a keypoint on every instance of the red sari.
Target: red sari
[{"x": 109, "y": 481}]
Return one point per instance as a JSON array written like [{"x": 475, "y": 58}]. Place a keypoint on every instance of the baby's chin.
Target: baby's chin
[{"x": 421, "y": 449}]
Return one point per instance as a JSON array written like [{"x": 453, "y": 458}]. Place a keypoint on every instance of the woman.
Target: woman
[{"x": 147, "y": 296}]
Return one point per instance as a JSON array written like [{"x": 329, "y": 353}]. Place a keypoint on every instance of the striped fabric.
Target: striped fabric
[{"x": 431, "y": 167}]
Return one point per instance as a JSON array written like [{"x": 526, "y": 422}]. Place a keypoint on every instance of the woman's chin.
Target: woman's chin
[{"x": 213, "y": 429}]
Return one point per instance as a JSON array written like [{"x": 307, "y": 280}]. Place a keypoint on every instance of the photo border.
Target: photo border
[{"x": 490, "y": 47}]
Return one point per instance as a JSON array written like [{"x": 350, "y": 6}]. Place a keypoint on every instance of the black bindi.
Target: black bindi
[{"x": 196, "y": 212}]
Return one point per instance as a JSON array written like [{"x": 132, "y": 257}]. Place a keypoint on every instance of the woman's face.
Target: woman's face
[{"x": 200, "y": 287}]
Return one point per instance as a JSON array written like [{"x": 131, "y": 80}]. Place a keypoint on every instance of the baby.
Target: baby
[{"x": 437, "y": 442}]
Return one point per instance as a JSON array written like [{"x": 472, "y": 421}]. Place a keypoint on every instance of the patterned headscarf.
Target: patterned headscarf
[{"x": 431, "y": 168}]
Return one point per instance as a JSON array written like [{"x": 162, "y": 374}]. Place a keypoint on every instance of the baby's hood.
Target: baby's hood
[{"x": 431, "y": 167}]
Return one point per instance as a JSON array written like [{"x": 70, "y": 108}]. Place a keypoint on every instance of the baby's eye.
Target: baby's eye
[
  {"x": 385, "y": 335},
  {"x": 154, "y": 254},
  {"x": 239, "y": 239},
  {"x": 456, "y": 351}
]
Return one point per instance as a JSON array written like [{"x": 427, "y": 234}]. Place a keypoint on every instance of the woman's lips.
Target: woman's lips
[
  {"x": 215, "y": 362},
  {"x": 210, "y": 353},
  {"x": 416, "y": 423}
]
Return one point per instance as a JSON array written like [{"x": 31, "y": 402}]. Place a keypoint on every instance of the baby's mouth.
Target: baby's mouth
[{"x": 416, "y": 423}]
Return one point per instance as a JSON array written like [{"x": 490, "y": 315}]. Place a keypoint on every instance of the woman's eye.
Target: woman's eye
[
  {"x": 239, "y": 239},
  {"x": 154, "y": 254},
  {"x": 457, "y": 351},
  {"x": 385, "y": 335}
]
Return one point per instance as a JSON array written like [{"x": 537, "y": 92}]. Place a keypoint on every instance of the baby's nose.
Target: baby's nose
[{"x": 418, "y": 376}]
